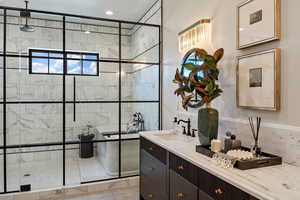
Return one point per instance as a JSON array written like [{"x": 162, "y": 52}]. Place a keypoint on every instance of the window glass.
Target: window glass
[
  {"x": 90, "y": 57},
  {"x": 56, "y": 55},
  {"x": 40, "y": 54},
  {"x": 89, "y": 67},
  {"x": 53, "y": 63},
  {"x": 73, "y": 67},
  {"x": 56, "y": 66},
  {"x": 73, "y": 55},
  {"x": 39, "y": 65}
]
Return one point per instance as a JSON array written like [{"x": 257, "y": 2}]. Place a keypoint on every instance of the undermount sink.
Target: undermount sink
[{"x": 167, "y": 136}]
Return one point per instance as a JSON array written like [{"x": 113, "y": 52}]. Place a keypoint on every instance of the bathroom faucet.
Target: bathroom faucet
[{"x": 188, "y": 122}]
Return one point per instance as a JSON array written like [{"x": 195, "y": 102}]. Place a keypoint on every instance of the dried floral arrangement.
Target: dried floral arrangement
[{"x": 206, "y": 87}]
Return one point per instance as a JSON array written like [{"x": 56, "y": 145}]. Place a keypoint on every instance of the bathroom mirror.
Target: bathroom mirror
[{"x": 193, "y": 56}]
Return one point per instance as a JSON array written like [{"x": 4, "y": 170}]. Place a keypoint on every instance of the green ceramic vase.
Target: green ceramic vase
[{"x": 208, "y": 124}]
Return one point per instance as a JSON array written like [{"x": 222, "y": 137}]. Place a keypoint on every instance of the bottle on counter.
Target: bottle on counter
[
  {"x": 236, "y": 144},
  {"x": 227, "y": 142}
]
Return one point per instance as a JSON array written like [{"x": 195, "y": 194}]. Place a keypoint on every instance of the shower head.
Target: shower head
[
  {"x": 25, "y": 13},
  {"x": 27, "y": 28}
]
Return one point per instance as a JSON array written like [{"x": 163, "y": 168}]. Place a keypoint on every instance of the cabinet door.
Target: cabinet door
[
  {"x": 154, "y": 170},
  {"x": 153, "y": 178},
  {"x": 181, "y": 189},
  {"x": 151, "y": 190}
]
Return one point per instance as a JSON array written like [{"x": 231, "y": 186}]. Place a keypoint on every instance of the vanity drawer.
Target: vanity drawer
[
  {"x": 219, "y": 189},
  {"x": 151, "y": 190},
  {"x": 154, "y": 170},
  {"x": 155, "y": 150},
  {"x": 184, "y": 168},
  {"x": 181, "y": 189}
]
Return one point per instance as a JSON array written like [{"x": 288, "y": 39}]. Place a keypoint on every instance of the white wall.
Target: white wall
[{"x": 281, "y": 130}]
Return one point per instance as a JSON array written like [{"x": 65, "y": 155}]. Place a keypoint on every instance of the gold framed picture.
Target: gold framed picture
[
  {"x": 258, "y": 21},
  {"x": 258, "y": 80}
]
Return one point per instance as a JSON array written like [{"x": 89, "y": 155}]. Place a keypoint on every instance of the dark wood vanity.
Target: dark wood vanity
[{"x": 166, "y": 176}]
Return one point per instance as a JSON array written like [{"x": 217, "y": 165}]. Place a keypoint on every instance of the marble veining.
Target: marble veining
[{"x": 270, "y": 183}]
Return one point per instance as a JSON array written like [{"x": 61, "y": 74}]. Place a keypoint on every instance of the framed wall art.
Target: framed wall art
[
  {"x": 258, "y": 21},
  {"x": 258, "y": 80}
]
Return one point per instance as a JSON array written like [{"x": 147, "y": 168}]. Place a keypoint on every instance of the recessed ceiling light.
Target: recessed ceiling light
[
  {"x": 109, "y": 12},
  {"x": 87, "y": 32}
]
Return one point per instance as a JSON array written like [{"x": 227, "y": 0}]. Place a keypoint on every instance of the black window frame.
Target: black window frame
[{"x": 65, "y": 69}]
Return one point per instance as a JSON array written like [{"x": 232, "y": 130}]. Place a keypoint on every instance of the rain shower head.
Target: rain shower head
[
  {"x": 25, "y": 13},
  {"x": 27, "y": 28}
]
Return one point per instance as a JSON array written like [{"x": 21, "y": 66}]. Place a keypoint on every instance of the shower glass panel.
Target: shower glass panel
[
  {"x": 140, "y": 82},
  {"x": 136, "y": 117},
  {"x": 143, "y": 43},
  {"x": 33, "y": 124},
  {"x": 1, "y": 105},
  {"x": 104, "y": 87},
  {"x": 102, "y": 165},
  {"x": 1, "y": 87},
  {"x": 25, "y": 87},
  {"x": 48, "y": 33},
  {"x": 1, "y": 30},
  {"x": 102, "y": 117},
  {"x": 147, "y": 120},
  {"x": 86, "y": 35},
  {"x": 1, "y": 144},
  {"x": 96, "y": 156},
  {"x": 41, "y": 167},
  {"x": 1, "y": 170}
]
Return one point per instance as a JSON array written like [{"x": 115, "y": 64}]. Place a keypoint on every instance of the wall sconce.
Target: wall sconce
[{"x": 193, "y": 35}]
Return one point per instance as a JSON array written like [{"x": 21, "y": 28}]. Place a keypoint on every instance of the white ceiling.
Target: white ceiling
[{"x": 130, "y": 10}]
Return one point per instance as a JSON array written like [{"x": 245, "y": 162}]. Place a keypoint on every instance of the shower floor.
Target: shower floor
[{"x": 48, "y": 174}]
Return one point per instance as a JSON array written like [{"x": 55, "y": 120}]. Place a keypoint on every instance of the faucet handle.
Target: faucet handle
[
  {"x": 193, "y": 132},
  {"x": 175, "y": 120},
  {"x": 184, "y": 131}
]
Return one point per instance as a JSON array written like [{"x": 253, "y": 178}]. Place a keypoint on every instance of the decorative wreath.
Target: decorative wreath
[{"x": 193, "y": 85}]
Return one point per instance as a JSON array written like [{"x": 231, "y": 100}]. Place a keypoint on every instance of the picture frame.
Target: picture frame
[
  {"x": 258, "y": 80},
  {"x": 258, "y": 22}
]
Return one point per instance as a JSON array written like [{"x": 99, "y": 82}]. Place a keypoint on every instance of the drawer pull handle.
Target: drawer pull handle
[
  {"x": 150, "y": 196},
  {"x": 152, "y": 168},
  {"x": 180, "y": 195},
  {"x": 150, "y": 148},
  {"x": 219, "y": 191},
  {"x": 180, "y": 167}
]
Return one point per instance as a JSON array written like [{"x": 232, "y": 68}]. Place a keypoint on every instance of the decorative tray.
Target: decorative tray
[{"x": 265, "y": 159}]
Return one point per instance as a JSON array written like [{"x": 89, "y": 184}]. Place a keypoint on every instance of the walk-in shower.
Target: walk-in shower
[{"x": 71, "y": 73}]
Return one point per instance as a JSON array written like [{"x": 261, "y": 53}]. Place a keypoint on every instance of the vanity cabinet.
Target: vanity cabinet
[{"x": 166, "y": 176}]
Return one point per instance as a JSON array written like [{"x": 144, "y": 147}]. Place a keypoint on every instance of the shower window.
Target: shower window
[{"x": 51, "y": 62}]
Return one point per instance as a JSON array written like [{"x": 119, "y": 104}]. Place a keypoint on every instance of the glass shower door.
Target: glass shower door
[{"x": 92, "y": 112}]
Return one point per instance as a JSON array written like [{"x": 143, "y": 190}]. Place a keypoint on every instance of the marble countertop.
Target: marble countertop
[{"x": 281, "y": 182}]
